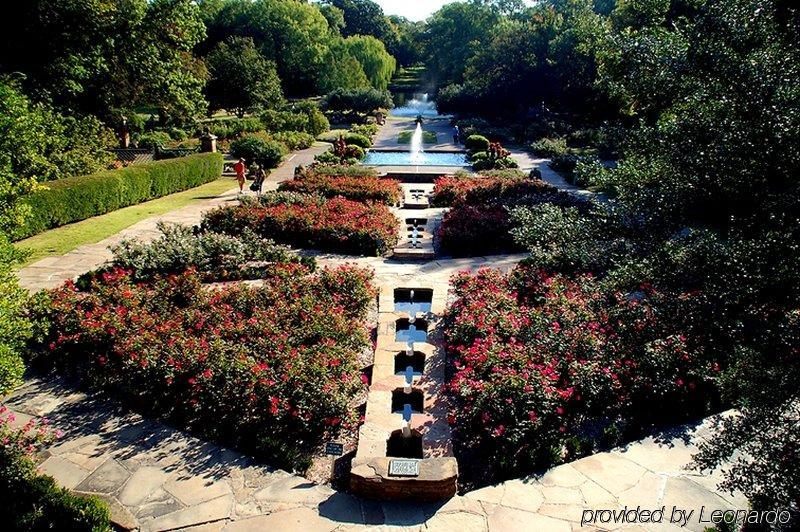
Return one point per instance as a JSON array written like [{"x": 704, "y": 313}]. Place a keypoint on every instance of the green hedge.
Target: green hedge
[{"x": 77, "y": 198}]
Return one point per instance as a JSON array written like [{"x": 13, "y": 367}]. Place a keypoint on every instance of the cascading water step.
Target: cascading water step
[{"x": 404, "y": 446}]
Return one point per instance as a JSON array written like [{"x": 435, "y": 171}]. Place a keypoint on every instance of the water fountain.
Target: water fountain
[
  {"x": 419, "y": 105},
  {"x": 406, "y": 455},
  {"x": 416, "y": 145}
]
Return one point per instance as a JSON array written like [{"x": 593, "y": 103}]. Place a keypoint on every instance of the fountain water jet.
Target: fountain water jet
[{"x": 416, "y": 145}]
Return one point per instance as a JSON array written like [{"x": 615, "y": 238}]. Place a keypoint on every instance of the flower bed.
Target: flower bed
[
  {"x": 479, "y": 221},
  {"x": 304, "y": 221},
  {"x": 469, "y": 230},
  {"x": 449, "y": 190},
  {"x": 550, "y": 368},
  {"x": 350, "y": 187},
  {"x": 271, "y": 369}
]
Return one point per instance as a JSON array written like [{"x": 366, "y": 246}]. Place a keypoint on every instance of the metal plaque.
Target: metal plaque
[
  {"x": 334, "y": 449},
  {"x": 404, "y": 468}
]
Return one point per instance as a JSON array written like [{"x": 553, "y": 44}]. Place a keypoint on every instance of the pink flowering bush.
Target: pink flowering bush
[
  {"x": 469, "y": 230},
  {"x": 352, "y": 187},
  {"x": 547, "y": 368},
  {"x": 449, "y": 190},
  {"x": 336, "y": 225},
  {"x": 271, "y": 368},
  {"x": 32, "y": 501},
  {"x": 480, "y": 220}
]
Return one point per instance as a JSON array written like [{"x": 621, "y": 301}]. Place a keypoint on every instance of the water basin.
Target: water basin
[
  {"x": 421, "y": 302},
  {"x": 404, "y": 158}
]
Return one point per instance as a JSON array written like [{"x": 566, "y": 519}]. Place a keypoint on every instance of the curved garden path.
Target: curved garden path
[{"x": 158, "y": 478}]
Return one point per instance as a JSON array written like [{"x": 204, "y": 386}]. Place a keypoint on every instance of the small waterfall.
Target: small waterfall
[
  {"x": 416, "y": 145},
  {"x": 420, "y": 104}
]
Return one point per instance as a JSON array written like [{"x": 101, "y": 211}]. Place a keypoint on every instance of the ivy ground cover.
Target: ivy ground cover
[
  {"x": 337, "y": 224},
  {"x": 272, "y": 368}
]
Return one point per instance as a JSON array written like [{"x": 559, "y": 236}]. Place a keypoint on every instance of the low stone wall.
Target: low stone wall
[{"x": 437, "y": 480}]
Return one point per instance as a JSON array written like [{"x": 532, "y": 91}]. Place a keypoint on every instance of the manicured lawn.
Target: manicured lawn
[
  {"x": 64, "y": 239},
  {"x": 428, "y": 137}
]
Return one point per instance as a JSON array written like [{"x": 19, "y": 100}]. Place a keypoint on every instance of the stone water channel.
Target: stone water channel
[{"x": 404, "y": 447}]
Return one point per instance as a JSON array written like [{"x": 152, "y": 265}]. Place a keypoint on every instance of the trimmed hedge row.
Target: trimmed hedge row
[{"x": 77, "y": 198}]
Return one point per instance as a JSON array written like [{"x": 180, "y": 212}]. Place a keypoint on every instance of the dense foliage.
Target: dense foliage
[
  {"x": 271, "y": 369},
  {"x": 480, "y": 220},
  {"x": 34, "y": 501},
  {"x": 14, "y": 327},
  {"x": 359, "y": 101},
  {"x": 548, "y": 368},
  {"x": 260, "y": 149},
  {"x": 214, "y": 256},
  {"x": 336, "y": 225},
  {"x": 241, "y": 79},
  {"x": 77, "y": 198},
  {"x": 37, "y": 143},
  {"x": 101, "y": 57}
]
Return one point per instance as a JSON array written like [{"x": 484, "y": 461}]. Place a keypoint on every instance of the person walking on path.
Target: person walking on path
[
  {"x": 240, "y": 168},
  {"x": 258, "y": 180},
  {"x": 456, "y": 134}
]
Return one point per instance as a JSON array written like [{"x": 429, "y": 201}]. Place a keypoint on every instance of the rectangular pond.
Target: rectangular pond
[{"x": 404, "y": 158}]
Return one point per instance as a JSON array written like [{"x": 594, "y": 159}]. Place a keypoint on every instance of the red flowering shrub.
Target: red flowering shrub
[
  {"x": 449, "y": 190},
  {"x": 272, "y": 367},
  {"x": 548, "y": 368},
  {"x": 336, "y": 225},
  {"x": 479, "y": 221},
  {"x": 468, "y": 230},
  {"x": 351, "y": 187}
]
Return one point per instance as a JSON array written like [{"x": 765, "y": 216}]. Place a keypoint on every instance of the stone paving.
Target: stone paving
[{"x": 157, "y": 478}]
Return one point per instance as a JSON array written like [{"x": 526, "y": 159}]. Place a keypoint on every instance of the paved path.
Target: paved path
[
  {"x": 53, "y": 271},
  {"x": 157, "y": 478}
]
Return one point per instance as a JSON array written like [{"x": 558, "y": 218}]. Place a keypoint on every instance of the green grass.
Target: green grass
[
  {"x": 64, "y": 239},
  {"x": 332, "y": 135},
  {"x": 428, "y": 137},
  {"x": 407, "y": 78}
]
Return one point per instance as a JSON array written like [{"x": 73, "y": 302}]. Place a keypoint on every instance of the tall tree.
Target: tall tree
[
  {"x": 242, "y": 79},
  {"x": 378, "y": 65},
  {"x": 102, "y": 55},
  {"x": 453, "y": 34},
  {"x": 362, "y": 17}
]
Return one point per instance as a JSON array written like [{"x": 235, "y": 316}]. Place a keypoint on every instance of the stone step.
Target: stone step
[{"x": 404, "y": 253}]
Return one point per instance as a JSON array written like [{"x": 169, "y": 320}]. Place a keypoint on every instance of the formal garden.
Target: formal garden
[{"x": 483, "y": 247}]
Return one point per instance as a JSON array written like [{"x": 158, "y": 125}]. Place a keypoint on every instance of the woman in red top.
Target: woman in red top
[{"x": 240, "y": 168}]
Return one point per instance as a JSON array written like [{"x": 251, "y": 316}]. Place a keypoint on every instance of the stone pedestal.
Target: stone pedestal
[{"x": 208, "y": 143}]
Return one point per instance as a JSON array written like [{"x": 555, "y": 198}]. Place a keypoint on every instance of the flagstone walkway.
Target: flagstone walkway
[{"x": 156, "y": 478}]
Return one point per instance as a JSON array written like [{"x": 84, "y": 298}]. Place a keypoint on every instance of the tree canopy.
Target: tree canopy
[{"x": 241, "y": 79}]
